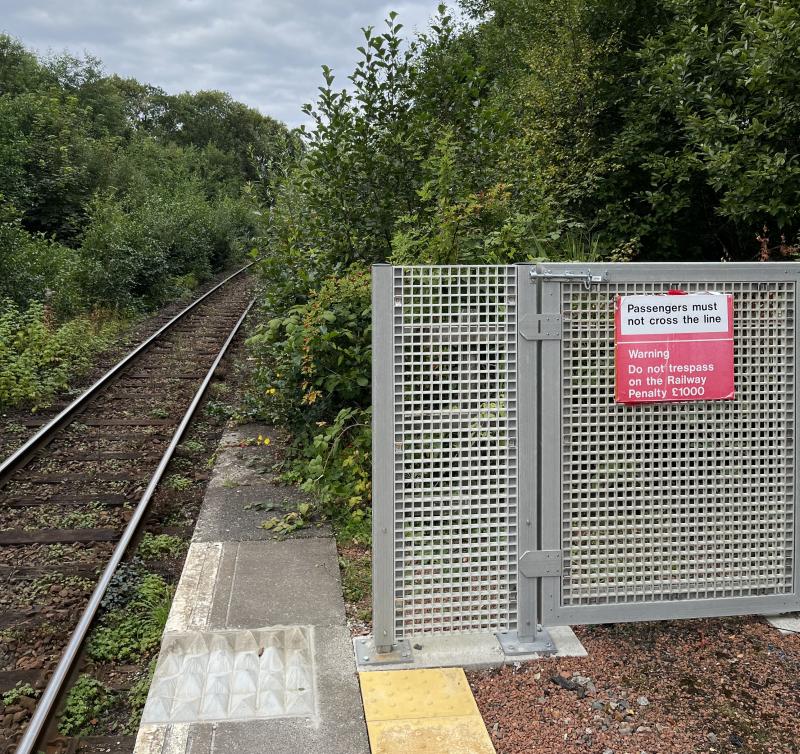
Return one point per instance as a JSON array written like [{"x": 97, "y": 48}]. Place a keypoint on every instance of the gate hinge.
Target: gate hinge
[
  {"x": 540, "y": 326},
  {"x": 536, "y": 563}
]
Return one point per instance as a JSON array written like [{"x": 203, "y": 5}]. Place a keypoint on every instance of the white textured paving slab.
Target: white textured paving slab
[
  {"x": 787, "y": 623},
  {"x": 233, "y": 675}
]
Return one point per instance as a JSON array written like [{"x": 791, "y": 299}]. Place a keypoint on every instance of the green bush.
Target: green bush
[
  {"x": 35, "y": 268},
  {"x": 335, "y": 465},
  {"x": 39, "y": 357},
  {"x": 315, "y": 360}
]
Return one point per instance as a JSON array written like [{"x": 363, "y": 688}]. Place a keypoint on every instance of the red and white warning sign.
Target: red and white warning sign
[{"x": 674, "y": 347}]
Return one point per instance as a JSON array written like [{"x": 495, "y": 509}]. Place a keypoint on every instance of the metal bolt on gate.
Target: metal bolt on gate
[{"x": 513, "y": 492}]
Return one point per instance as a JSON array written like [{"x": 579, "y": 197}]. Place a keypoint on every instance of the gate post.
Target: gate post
[
  {"x": 383, "y": 457},
  {"x": 534, "y": 327},
  {"x": 527, "y": 449}
]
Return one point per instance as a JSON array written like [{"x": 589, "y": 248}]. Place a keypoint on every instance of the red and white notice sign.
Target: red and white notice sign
[{"x": 674, "y": 347}]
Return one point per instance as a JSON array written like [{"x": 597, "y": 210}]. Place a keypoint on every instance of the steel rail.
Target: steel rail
[
  {"x": 23, "y": 454},
  {"x": 54, "y": 686}
]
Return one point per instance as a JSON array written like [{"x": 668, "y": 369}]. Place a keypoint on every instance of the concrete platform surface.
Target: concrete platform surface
[{"x": 256, "y": 656}]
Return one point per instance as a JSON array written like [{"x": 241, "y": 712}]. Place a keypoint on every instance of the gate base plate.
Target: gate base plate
[
  {"x": 367, "y": 656},
  {"x": 511, "y": 644}
]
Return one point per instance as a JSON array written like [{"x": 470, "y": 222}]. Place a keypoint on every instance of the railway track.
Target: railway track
[{"x": 74, "y": 497}]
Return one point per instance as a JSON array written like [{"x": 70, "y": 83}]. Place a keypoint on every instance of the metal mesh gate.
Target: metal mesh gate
[
  {"x": 649, "y": 510},
  {"x": 454, "y": 455},
  {"x": 678, "y": 500}
]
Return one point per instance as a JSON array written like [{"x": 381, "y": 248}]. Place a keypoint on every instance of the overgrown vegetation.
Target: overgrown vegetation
[
  {"x": 133, "y": 628},
  {"x": 558, "y": 129},
  {"x": 114, "y": 197}
]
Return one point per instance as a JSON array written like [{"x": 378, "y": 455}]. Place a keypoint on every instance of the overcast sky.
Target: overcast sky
[{"x": 265, "y": 53}]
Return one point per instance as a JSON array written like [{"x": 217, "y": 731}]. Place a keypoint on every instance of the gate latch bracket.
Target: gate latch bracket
[
  {"x": 540, "y": 326},
  {"x": 587, "y": 277},
  {"x": 537, "y": 563}
]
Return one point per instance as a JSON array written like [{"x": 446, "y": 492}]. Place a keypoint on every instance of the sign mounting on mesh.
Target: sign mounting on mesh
[{"x": 674, "y": 347}]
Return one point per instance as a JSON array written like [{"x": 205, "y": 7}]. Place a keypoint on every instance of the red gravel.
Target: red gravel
[{"x": 681, "y": 687}]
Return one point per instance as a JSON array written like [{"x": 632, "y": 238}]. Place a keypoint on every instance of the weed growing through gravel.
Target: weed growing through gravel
[
  {"x": 43, "y": 584},
  {"x": 154, "y": 546},
  {"x": 178, "y": 483},
  {"x": 127, "y": 633},
  {"x": 159, "y": 413},
  {"x": 193, "y": 446},
  {"x": 137, "y": 696},
  {"x": 86, "y": 702},
  {"x": 12, "y": 696}
]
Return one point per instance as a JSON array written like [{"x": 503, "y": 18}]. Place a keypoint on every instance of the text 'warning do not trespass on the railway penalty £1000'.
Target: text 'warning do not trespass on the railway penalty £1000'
[{"x": 674, "y": 347}]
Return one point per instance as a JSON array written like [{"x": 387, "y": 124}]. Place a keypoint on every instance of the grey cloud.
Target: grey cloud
[{"x": 266, "y": 53}]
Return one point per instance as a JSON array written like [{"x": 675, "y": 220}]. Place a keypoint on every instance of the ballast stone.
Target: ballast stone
[{"x": 233, "y": 675}]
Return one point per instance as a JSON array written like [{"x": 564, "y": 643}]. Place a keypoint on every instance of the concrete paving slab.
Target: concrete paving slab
[
  {"x": 191, "y": 605},
  {"x": 242, "y": 492},
  {"x": 469, "y": 651},
  {"x": 787, "y": 623},
  {"x": 259, "y": 584}
]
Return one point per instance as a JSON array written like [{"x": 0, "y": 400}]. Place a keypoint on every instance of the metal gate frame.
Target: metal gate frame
[
  {"x": 537, "y": 460},
  {"x": 546, "y": 282}
]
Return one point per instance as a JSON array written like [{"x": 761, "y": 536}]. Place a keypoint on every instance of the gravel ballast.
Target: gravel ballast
[{"x": 680, "y": 687}]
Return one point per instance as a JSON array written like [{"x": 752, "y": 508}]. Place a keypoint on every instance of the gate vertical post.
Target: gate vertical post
[
  {"x": 383, "y": 457},
  {"x": 550, "y": 449},
  {"x": 527, "y": 450}
]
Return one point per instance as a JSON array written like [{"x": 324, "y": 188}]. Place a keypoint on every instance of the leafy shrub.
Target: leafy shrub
[
  {"x": 315, "y": 360},
  {"x": 335, "y": 465},
  {"x": 35, "y": 268},
  {"x": 38, "y": 357},
  {"x": 86, "y": 703},
  {"x": 126, "y": 633}
]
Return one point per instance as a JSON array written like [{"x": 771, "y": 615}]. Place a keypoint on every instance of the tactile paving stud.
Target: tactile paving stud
[
  {"x": 441, "y": 735},
  {"x": 233, "y": 675},
  {"x": 404, "y": 694}
]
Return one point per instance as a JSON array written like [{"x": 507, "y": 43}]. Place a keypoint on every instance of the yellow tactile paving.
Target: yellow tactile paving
[{"x": 422, "y": 712}]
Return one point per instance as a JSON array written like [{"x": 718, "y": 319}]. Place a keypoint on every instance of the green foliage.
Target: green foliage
[
  {"x": 86, "y": 703},
  {"x": 39, "y": 357},
  {"x": 178, "y": 483},
  {"x": 126, "y": 633},
  {"x": 335, "y": 465},
  {"x": 290, "y": 522},
  {"x": 12, "y": 696},
  {"x": 155, "y": 546},
  {"x": 314, "y": 360},
  {"x": 137, "y": 697}
]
